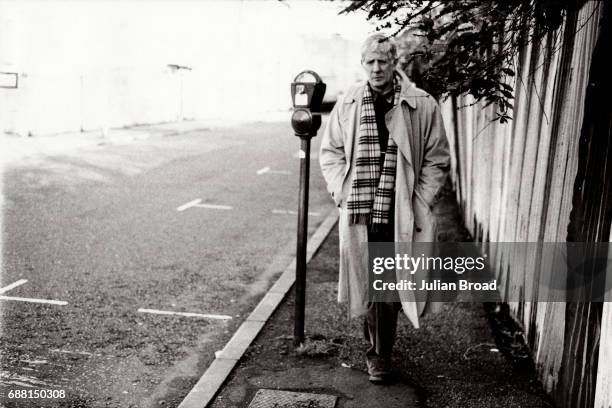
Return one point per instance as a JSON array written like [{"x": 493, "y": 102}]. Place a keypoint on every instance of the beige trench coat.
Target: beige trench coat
[{"x": 416, "y": 126}]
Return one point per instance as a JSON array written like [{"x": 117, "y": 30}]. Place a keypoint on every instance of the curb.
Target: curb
[{"x": 213, "y": 378}]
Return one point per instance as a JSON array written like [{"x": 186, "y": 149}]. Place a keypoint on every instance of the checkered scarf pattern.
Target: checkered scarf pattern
[{"x": 369, "y": 201}]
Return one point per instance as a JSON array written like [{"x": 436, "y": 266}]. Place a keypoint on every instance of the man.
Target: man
[{"x": 384, "y": 155}]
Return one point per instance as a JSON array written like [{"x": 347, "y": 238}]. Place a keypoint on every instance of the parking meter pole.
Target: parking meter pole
[
  {"x": 302, "y": 242},
  {"x": 307, "y": 91}
]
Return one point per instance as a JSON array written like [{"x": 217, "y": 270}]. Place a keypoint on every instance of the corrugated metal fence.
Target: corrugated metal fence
[{"x": 520, "y": 182}]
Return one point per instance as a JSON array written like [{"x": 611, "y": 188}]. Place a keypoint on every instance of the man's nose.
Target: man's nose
[{"x": 376, "y": 66}]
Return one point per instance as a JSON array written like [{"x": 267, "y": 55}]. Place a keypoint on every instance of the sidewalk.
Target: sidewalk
[{"x": 452, "y": 361}]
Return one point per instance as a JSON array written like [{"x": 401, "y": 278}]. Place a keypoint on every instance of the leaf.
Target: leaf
[
  {"x": 353, "y": 6},
  {"x": 489, "y": 102},
  {"x": 508, "y": 71}
]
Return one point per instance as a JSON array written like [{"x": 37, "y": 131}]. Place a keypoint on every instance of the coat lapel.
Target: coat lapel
[{"x": 399, "y": 121}]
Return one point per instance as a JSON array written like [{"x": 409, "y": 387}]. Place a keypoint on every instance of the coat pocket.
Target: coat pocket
[
  {"x": 423, "y": 220},
  {"x": 342, "y": 191}
]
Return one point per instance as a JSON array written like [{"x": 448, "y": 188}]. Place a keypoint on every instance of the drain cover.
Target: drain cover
[{"x": 288, "y": 399}]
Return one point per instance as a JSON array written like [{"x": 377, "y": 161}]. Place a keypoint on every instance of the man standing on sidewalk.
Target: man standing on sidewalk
[{"x": 384, "y": 156}]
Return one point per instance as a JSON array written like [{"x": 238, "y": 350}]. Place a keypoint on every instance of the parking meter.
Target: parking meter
[{"x": 307, "y": 90}]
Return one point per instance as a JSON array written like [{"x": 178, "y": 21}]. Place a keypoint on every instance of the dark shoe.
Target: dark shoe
[
  {"x": 380, "y": 379},
  {"x": 379, "y": 369}
]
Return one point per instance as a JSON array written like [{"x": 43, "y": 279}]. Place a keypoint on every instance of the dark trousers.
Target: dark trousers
[
  {"x": 379, "y": 328},
  {"x": 381, "y": 319}
]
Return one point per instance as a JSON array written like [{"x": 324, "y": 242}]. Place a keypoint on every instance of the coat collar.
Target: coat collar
[{"x": 409, "y": 92}]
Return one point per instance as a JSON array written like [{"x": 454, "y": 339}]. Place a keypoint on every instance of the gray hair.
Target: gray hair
[{"x": 381, "y": 43}]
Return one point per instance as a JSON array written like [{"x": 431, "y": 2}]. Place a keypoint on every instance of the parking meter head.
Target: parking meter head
[{"x": 307, "y": 91}]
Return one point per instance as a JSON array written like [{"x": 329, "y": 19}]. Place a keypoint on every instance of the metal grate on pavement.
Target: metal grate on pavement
[{"x": 288, "y": 399}]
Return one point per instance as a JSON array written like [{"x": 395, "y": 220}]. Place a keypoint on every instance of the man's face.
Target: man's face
[{"x": 379, "y": 68}]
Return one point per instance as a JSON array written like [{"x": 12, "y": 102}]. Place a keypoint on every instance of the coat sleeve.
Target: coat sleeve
[
  {"x": 332, "y": 156},
  {"x": 436, "y": 158}
]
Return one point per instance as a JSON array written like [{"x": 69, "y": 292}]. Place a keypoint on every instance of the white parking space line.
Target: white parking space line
[
  {"x": 13, "y": 285},
  {"x": 198, "y": 203},
  {"x": 81, "y": 353},
  {"x": 215, "y": 206},
  {"x": 32, "y": 300},
  {"x": 34, "y": 361},
  {"x": 37, "y": 362},
  {"x": 189, "y": 204},
  {"x": 19, "y": 380},
  {"x": 268, "y": 170},
  {"x": 186, "y": 314},
  {"x": 291, "y": 212},
  {"x": 263, "y": 171}
]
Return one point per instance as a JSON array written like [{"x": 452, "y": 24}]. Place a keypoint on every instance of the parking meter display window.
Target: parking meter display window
[
  {"x": 307, "y": 76},
  {"x": 301, "y": 97}
]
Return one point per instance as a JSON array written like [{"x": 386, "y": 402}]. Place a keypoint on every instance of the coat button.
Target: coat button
[{"x": 418, "y": 229}]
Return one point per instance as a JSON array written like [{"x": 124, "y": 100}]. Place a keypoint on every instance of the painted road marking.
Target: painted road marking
[
  {"x": 32, "y": 300},
  {"x": 189, "y": 204},
  {"x": 34, "y": 361},
  {"x": 186, "y": 314},
  {"x": 13, "y": 285},
  {"x": 81, "y": 353},
  {"x": 290, "y": 212},
  {"x": 268, "y": 170},
  {"x": 215, "y": 206},
  {"x": 22, "y": 381},
  {"x": 198, "y": 203}
]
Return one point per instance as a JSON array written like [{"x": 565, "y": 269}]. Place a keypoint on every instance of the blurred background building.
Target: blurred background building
[{"x": 102, "y": 64}]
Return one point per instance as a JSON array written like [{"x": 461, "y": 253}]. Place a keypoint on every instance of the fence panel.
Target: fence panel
[{"x": 516, "y": 184}]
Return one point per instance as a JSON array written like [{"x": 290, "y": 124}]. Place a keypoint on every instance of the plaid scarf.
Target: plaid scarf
[{"x": 369, "y": 201}]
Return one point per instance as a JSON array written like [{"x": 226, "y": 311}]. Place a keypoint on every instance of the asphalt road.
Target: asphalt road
[{"x": 100, "y": 229}]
